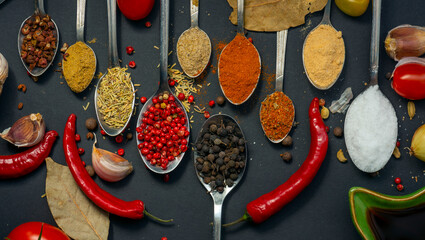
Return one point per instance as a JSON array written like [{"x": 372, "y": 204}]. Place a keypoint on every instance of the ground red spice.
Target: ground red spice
[{"x": 239, "y": 69}]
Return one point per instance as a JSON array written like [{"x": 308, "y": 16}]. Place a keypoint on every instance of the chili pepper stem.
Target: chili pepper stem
[
  {"x": 156, "y": 218},
  {"x": 245, "y": 217}
]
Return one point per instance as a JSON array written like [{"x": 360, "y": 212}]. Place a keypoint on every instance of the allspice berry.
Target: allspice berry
[
  {"x": 220, "y": 100},
  {"x": 286, "y": 156},
  {"x": 90, "y": 170},
  {"x": 91, "y": 124},
  {"x": 287, "y": 141},
  {"x": 338, "y": 132}
]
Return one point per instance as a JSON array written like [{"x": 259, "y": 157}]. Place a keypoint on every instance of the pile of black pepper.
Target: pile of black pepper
[{"x": 220, "y": 154}]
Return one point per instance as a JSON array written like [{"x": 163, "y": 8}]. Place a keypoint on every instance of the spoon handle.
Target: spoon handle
[
  {"x": 241, "y": 4},
  {"x": 280, "y": 58},
  {"x": 39, "y": 7},
  {"x": 326, "y": 15},
  {"x": 112, "y": 34},
  {"x": 374, "y": 43},
  {"x": 163, "y": 54},
  {"x": 194, "y": 12},
  {"x": 218, "y": 206},
  {"x": 81, "y": 11}
]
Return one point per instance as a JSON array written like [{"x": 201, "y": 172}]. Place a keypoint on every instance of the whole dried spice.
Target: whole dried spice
[
  {"x": 22, "y": 87},
  {"x": 324, "y": 112},
  {"x": 184, "y": 85},
  {"x": 411, "y": 109},
  {"x": 115, "y": 97},
  {"x": 277, "y": 115},
  {"x": 396, "y": 152},
  {"x": 39, "y": 41},
  {"x": 79, "y": 67},
  {"x": 238, "y": 69},
  {"x": 340, "y": 156},
  {"x": 193, "y": 51}
]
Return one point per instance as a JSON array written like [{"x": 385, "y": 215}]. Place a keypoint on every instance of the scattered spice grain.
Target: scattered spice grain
[
  {"x": 286, "y": 156},
  {"x": 20, "y": 106},
  {"x": 22, "y": 87}
]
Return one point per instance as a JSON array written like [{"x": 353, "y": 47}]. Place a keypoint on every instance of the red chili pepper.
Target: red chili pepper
[
  {"x": 270, "y": 203},
  {"x": 409, "y": 81},
  {"x": 133, "y": 209},
  {"x": 13, "y": 166}
]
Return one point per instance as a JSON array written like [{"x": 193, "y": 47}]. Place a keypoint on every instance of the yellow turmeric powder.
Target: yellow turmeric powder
[
  {"x": 79, "y": 66},
  {"x": 323, "y": 56}
]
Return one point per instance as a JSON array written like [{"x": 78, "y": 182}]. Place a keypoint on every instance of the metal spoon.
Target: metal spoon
[
  {"x": 163, "y": 86},
  {"x": 217, "y": 197},
  {"x": 39, "y": 10},
  {"x": 194, "y": 24},
  {"x": 240, "y": 30},
  {"x": 113, "y": 61},
  {"x": 381, "y": 104},
  {"x": 280, "y": 66},
  {"x": 81, "y": 11},
  {"x": 325, "y": 21}
]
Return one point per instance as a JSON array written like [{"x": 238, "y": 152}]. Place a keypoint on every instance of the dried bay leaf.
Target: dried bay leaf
[
  {"x": 76, "y": 214},
  {"x": 275, "y": 15}
]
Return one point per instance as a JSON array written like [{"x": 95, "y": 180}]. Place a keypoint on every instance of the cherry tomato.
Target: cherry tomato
[
  {"x": 135, "y": 9},
  {"x": 409, "y": 81},
  {"x": 353, "y": 8},
  {"x": 32, "y": 230}
]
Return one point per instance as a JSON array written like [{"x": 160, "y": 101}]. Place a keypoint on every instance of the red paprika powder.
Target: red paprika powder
[{"x": 238, "y": 69}]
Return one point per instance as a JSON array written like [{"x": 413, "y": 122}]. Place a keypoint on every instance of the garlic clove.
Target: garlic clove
[
  {"x": 405, "y": 41},
  {"x": 4, "y": 71},
  {"x": 109, "y": 166},
  {"x": 26, "y": 132}
]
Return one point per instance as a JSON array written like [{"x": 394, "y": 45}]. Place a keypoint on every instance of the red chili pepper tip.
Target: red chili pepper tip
[
  {"x": 190, "y": 99},
  {"x": 211, "y": 103},
  {"x": 121, "y": 152},
  {"x": 132, "y": 64},
  {"x": 148, "y": 24},
  {"x": 80, "y": 151},
  {"x": 206, "y": 114},
  {"x": 400, "y": 187},
  {"x": 77, "y": 137},
  {"x": 129, "y": 50},
  {"x": 119, "y": 139},
  {"x": 397, "y": 180}
]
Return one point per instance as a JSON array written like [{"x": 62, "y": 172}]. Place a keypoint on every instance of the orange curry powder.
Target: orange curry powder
[
  {"x": 277, "y": 115},
  {"x": 239, "y": 68}
]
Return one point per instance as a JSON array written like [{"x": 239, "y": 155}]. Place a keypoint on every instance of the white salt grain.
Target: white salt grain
[{"x": 370, "y": 130}]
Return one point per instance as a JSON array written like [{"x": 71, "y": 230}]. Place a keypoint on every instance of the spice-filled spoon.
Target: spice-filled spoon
[
  {"x": 79, "y": 65},
  {"x": 159, "y": 113},
  {"x": 239, "y": 65},
  {"x": 194, "y": 45},
  {"x": 277, "y": 111},
  {"x": 37, "y": 57},
  {"x": 370, "y": 128},
  {"x": 222, "y": 134},
  {"x": 324, "y": 53},
  {"x": 114, "y": 96}
]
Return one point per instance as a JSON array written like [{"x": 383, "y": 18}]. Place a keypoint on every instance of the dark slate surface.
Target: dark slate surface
[{"x": 320, "y": 212}]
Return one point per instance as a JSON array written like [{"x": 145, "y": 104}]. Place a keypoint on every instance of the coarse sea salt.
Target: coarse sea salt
[{"x": 370, "y": 130}]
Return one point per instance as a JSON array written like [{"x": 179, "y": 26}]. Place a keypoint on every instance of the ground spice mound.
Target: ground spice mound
[
  {"x": 277, "y": 115},
  {"x": 239, "y": 68},
  {"x": 323, "y": 55},
  {"x": 79, "y": 67}
]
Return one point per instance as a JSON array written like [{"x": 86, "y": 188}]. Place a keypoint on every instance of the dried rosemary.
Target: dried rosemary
[{"x": 115, "y": 97}]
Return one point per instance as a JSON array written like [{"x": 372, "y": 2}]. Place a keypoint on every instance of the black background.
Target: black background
[{"x": 320, "y": 212}]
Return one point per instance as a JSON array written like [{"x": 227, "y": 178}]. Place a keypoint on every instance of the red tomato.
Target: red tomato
[
  {"x": 135, "y": 9},
  {"x": 409, "y": 81},
  {"x": 31, "y": 231}
]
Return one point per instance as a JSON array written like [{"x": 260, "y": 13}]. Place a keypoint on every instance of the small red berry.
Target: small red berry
[
  {"x": 400, "y": 187},
  {"x": 132, "y": 64},
  {"x": 119, "y": 139},
  {"x": 166, "y": 179},
  {"x": 171, "y": 82},
  {"x": 398, "y": 144},
  {"x": 181, "y": 96},
  {"x": 84, "y": 163},
  {"x": 81, "y": 151},
  {"x": 250, "y": 39},
  {"x": 327, "y": 129},
  {"x": 143, "y": 100},
  {"x": 129, "y": 50},
  {"x": 397, "y": 180},
  {"x": 148, "y": 24},
  {"x": 164, "y": 238},
  {"x": 103, "y": 132},
  {"x": 121, "y": 152},
  {"x": 211, "y": 103},
  {"x": 190, "y": 99},
  {"x": 206, "y": 114},
  {"x": 77, "y": 137}
]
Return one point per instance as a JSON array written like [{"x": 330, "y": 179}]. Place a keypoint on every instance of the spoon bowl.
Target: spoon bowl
[
  {"x": 39, "y": 10},
  {"x": 240, "y": 30},
  {"x": 194, "y": 13},
  {"x": 113, "y": 62},
  {"x": 218, "y": 197},
  {"x": 325, "y": 21},
  {"x": 163, "y": 87}
]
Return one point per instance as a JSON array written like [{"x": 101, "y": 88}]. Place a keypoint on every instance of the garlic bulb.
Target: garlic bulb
[
  {"x": 405, "y": 41},
  {"x": 26, "y": 132},
  {"x": 4, "y": 71},
  {"x": 109, "y": 166}
]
